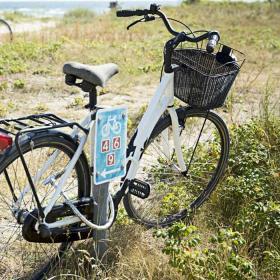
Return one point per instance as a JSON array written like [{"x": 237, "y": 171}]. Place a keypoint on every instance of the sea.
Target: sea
[{"x": 58, "y": 8}]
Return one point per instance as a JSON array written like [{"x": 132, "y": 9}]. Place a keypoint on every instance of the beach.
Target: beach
[
  {"x": 59, "y": 8},
  {"x": 33, "y": 26}
]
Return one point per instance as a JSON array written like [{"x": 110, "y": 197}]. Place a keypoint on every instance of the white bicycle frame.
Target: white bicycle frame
[{"x": 162, "y": 100}]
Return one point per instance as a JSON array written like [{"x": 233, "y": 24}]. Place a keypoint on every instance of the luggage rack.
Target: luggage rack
[
  {"x": 17, "y": 127},
  {"x": 35, "y": 123}
]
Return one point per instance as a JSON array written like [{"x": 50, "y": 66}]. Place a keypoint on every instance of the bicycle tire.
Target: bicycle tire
[
  {"x": 11, "y": 35},
  {"x": 144, "y": 211},
  {"x": 52, "y": 253}
]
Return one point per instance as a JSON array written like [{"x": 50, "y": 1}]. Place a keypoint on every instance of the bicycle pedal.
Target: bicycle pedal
[{"x": 139, "y": 188}]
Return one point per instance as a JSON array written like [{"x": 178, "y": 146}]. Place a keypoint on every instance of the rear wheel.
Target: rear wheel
[
  {"x": 205, "y": 145},
  {"x": 19, "y": 258}
]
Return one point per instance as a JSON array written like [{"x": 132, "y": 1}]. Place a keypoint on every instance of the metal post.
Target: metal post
[
  {"x": 108, "y": 154},
  {"x": 100, "y": 216}
]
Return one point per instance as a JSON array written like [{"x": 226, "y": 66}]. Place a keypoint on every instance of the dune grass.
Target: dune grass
[
  {"x": 251, "y": 28},
  {"x": 78, "y": 15},
  {"x": 17, "y": 17},
  {"x": 36, "y": 61}
]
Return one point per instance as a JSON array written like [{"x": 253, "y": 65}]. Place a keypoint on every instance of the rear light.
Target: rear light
[{"x": 6, "y": 141}]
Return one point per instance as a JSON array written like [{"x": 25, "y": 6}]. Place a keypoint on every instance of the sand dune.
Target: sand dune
[{"x": 27, "y": 26}]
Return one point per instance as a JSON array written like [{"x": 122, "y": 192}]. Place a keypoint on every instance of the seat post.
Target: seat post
[{"x": 92, "y": 98}]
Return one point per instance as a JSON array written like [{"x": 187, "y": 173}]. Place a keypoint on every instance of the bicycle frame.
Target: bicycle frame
[{"x": 162, "y": 100}]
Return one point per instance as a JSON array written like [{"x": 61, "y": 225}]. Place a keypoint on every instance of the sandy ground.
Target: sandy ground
[
  {"x": 51, "y": 92},
  {"x": 27, "y": 26},
  {"x": 241, "y": 104}
]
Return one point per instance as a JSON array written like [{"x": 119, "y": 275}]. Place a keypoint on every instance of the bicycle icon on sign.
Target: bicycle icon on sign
[{"x": 111, "y": 125}]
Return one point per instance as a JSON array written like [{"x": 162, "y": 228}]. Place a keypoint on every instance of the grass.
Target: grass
[
  {"x": 3, "y": 110},
  {"x": 78, "y": 15},
  {"x": 30, "y": 73},
  {"x": 40, "y": 108},
  {"x": 19, "y": 84},
  {"x": 17, "y": 17},
  {"x": 78, "y": 102},
  {"x": 253, "y": 30}
]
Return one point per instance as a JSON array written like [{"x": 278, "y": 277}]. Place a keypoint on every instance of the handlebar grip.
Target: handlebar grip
[
  {"x": 130, "y": 13},
  {"x": 213, "y": 40}
]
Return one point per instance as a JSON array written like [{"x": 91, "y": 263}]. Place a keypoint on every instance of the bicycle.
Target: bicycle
[
  {"x": 46, "y": 177},
  {"x": 10, "y": 31}
]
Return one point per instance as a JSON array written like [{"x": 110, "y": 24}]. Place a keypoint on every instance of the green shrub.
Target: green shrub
[
  {"x": 3, "y": 110},
  {"x": 78, "y": 15},
  {"x": 16, "y": 16},
  {"x": 19, "y": 84},
  {"x": 249, "y": 198},
  {"x": 20, "y": 56},
  {"x": 40, "y": 108},
  {"x": 271, "y": 263},
  {"x": 218, "y": 259},
  {"x": 190, "y": 1},
  {"x": 248, "y": 201},
  {"x": 249, "y": 191},
  {"x": 78, "y": 102},
  {"x": 3, "y": 85}
]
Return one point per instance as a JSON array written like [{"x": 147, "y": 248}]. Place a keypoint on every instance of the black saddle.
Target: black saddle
[{"x": 96, "y": 75}]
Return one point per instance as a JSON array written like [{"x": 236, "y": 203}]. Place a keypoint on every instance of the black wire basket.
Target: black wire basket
[{"x": 203, "y": 80}]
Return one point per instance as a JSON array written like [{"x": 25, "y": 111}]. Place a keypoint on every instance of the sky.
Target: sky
[
  {"x": 58, "y": 0},
  {"x": 70, "y": 0}
]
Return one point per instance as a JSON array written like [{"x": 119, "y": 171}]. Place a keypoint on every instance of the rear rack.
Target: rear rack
[{"x": 34, "y": 123}]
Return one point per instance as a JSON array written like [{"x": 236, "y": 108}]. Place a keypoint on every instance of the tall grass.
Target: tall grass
[
  {"x": 243, "y": 215},
  {"x": 246, "y": 203},
  {"x": 17, "y": 17},
  {"x": 78, "y": 15}
]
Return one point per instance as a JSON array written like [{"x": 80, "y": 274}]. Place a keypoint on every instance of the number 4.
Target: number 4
[{"x": 105, "y": 146}]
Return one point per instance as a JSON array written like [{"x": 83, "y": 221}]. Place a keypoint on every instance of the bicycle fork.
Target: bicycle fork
[{"x": 176, "y": 139}]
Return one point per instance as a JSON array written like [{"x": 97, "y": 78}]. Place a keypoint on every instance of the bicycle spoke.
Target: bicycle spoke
[{"x": 172, "y": 190}]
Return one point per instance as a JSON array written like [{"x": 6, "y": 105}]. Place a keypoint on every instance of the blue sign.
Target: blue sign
[{"x": 110, "y": 144}]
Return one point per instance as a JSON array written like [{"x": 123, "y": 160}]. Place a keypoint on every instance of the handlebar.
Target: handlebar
[
  {"x": 129, "y": 13},
  {"x": 213, "y": 40},
  {"x": 180, "y": 37},
  {"x": 154, "y": 10},
  {"x": 213, "y": 36}
]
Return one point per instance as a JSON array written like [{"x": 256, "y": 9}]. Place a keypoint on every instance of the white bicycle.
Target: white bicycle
[{"x": 174, "y": 160}]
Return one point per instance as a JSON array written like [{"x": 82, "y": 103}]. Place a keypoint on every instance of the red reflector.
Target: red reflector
[{"x": 6, "y": 141}]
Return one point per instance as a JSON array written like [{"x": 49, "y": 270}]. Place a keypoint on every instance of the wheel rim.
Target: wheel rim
[
  {"x": 9, "y": 34},
  {"x": 17, "y": 256},
  {"x": 172, "y": 193}
]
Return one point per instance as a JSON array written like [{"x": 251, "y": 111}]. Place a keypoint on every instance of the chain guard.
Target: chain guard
[{"x": 70, "y": 233}]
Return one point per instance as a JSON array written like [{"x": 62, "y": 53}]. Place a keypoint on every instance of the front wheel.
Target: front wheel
[{"x": 205, "y": 146}]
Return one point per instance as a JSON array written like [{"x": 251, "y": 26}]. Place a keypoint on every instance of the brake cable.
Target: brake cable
[
  {"x": 144, "y": 19},
  {"x": 147, "y": 18},
  {"x": 190, "y": 32}
]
